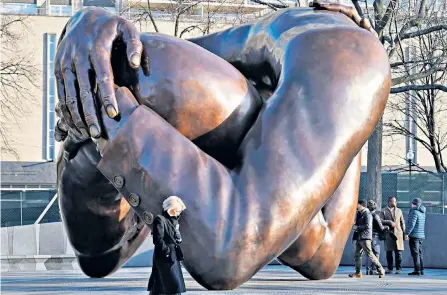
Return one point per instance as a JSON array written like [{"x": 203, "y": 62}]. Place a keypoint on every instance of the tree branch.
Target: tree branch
[
  {"x": 402, "y": 63},
  {"x": 423, "y": 32},
  {"x": 414, "y": 22},
  {"x": 418, "y": 88},
  {"x": 415, "y": 167},
  {"x": 357, "y": 7},
  {"x": 151, "y": 17},
  {"x": 189, "y": 29},
  {"x": 410, "y": 78},
  {"x": 383, "y": 21},
  {"x": 273, "y": 6}
]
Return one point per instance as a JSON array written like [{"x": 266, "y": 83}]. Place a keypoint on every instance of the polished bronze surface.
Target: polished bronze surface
[
  {"x": 195, "y": 92},
  {"x": 317, "y": 252},
  {"x": 260, "y": 179},
  {"x": 101, "y": 226}
]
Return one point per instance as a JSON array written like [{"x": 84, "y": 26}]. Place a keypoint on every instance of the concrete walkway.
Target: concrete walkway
[{"x": 271, "y": 280}]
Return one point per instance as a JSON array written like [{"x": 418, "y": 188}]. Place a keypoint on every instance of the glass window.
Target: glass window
[
  {"x": 18, "y": 8},
  {"x": 51, "y": 152},
  {"x": 52, "y": 102},
  {"x": 52, "y": 48},
  {"x": 61, "y": 10},
  {"x": 52, "y": 123},
  {"x": 51, "y": 45},
  {"x": 52, "y": 85}
]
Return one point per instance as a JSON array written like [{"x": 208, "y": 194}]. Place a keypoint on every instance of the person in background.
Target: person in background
[
  {"x": 416, "y": 232},
  {"x": 378, "y": 234},
  {"x": 363, "y": 227},
  {"x": 394, "y": 240},
  {"x": 166, "y": 276}
]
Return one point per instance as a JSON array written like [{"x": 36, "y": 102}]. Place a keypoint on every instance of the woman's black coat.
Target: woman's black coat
[{"x": 166, "y": 276}]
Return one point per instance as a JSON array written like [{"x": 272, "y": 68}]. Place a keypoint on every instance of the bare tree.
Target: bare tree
[
  {"x": 399, "y": 23},
  {"x": 421, "y": 101},
  {"x": 17, "y": 78},
  {"x": 198, "y": 16}
]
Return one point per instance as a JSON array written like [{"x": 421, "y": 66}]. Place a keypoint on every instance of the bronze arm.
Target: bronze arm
[{"x": 244, "y": 218}]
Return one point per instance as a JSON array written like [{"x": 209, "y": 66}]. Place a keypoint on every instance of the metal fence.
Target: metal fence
[
  {"x": 430, "y": 187},
  {"x": 25, "y": 207},
  {"x": 21, "y": 207}
]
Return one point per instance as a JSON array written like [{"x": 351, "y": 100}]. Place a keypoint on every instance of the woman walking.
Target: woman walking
[{"x": 166, "y": 277}]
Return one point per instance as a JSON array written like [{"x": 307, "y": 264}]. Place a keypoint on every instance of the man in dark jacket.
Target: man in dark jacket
[
  {"x": 415, "y": 230},
  {"x": 363, "y": 227},
  {"x": 378, "y": 231}
]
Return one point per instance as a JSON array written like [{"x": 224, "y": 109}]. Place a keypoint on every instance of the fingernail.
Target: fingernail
[
  {"x": 111, "y": 112},
  {"x": 135, "y": 59},
  {"x": 94, "y": 131}
]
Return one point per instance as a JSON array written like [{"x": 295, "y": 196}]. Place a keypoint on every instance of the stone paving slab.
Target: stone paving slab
[{"x": 270, "y": 280}]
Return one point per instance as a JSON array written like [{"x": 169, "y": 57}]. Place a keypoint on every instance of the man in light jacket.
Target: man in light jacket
[
  {"x": 394, "y": 241},
  {"x": 416, "y": 232}
]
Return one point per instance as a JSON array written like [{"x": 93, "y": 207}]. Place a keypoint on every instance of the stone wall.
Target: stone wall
[{"x": 46, "y": 247}]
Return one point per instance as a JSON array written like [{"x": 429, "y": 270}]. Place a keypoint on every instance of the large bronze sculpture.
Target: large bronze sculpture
[{"x": 265, "y": 158}]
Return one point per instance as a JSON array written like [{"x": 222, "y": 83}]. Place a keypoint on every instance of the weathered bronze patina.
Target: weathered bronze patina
[{"x": 263, "y": 176}]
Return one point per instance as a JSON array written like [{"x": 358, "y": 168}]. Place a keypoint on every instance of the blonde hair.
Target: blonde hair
[{"x": 171, "y": 203}]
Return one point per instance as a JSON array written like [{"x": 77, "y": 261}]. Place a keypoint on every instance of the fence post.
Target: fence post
[
  {"x": 443, "y": 192},
  {"x": 21, "y": 207}
]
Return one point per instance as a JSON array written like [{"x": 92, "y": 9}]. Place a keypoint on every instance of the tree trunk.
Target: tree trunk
[
  {"x": 153, "y": 22},
  {"x": 177, "y": 19},
  {"x": 374, "y": 166}
]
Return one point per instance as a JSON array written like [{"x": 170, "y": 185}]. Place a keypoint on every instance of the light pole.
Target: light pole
[{"x": 410, "y": 157}]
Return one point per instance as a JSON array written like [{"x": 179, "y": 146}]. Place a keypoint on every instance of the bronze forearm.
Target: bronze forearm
[
  {"x": 335, "y": 223},
  {"x": 102, "y": 229}
]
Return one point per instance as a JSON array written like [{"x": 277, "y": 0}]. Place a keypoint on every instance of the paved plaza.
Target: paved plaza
[{"x": 271, "y": 280}]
